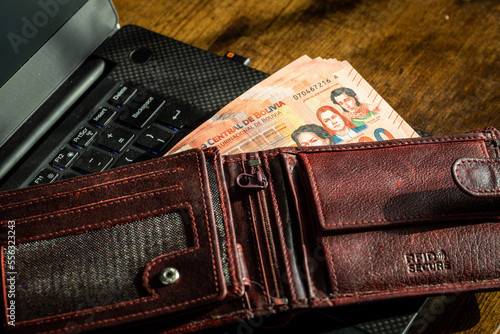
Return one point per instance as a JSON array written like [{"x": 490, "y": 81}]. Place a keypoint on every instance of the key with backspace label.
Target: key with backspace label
[{"x": 138, "y": 115}]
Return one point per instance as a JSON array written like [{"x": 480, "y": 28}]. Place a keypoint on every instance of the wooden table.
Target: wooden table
[{"x": 436, "y": 62}]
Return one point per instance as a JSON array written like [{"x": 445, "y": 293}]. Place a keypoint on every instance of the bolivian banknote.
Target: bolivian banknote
[{"x": 310, "y": 102}]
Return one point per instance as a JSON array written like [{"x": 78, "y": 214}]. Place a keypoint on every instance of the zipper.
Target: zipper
[
  {"x": 496, "y": 146},
  {"x": 495, "y": 143},
  {"x": 257, "y": 180}
]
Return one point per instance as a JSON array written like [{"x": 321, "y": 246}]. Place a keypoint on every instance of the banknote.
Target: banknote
[{"x": 307, "y": 103}]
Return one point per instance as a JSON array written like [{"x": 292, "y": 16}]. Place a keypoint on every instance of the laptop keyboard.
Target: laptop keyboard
[{"x": 132, "y": 125}]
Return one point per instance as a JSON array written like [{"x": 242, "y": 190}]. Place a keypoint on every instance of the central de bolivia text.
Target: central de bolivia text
[{"x": 241, "y": 126}]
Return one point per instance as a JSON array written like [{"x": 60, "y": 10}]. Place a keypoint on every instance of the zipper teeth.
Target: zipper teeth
[
  {"x": 260, "y": 257},
  {"x": 496, "y": 143},
  {"x": 271, "y": 246},
  {"x": 497, "y": 147}
]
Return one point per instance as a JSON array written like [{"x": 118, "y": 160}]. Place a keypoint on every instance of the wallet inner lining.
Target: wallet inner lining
[
  {"x": 219, "y": 221},
  {"x": 92, "y": 269}
]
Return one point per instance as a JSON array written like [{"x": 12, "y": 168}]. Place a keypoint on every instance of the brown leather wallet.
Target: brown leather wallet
[{"x": 198, "y": 240}]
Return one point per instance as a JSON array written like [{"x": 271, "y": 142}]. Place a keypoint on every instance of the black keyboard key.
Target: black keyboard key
[
  {"x": 154, "y": 139},
  {"x": 115, "y": 139},
  {"x": 176, "y": 115},
  {"x": 103, "y": 117},
  {"x": 132, "y": 156},
  {"x": 64, "y": 158},
  {"x": 45, "y": 176},
  {"x": 93, "y": 161},
  {"x": 139, "y": 114},
  {"x": 122, "y": 95},
  {"x": 84, "y": 137}
]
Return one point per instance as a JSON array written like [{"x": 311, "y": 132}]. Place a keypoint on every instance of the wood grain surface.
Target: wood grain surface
[{"x": 436, "y": 62}]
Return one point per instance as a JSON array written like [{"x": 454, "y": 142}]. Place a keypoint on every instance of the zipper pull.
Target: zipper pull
[{"x": 256, "y": 180}]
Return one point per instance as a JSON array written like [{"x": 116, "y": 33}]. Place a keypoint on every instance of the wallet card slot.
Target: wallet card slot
[
  {"x": 266, "y": 238},
  {"x": 391, "y": 221},
  {"x": 106, "y": 230},
  {"x": 89, "y": 194},
  {"x": 308, "y": 254},
  {"x": 410, "y": 184},
  {"x": 402, "y": 262},
  {"x": 275, "y": 228},
  {"x": 288, "y": 227},
  {"x": 223, "y": 223},
  {"x": 82, "y": 271},
  {"x": 35, "y": 195}
]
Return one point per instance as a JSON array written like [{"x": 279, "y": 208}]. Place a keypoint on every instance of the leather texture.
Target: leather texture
[
  {"x": 317, "y": 227},
  {"x": 478, "y": 177}
]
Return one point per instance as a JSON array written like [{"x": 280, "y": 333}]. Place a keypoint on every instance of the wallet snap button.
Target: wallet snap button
[{"x": 169, "y": 276}]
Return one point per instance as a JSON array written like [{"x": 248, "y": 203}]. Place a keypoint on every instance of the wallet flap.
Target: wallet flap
[
  {"x": 125, "y": 245},
  {"x": 393, "y": 223},
  {"x": 385, "y": 184},
  {"x": 478, "y": 177}
]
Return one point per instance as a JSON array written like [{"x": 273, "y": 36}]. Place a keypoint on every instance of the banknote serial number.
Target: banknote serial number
[{"x": 311, "y": 89}]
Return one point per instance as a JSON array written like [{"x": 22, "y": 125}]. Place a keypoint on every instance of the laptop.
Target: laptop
[{"x": 79, "y": 94}]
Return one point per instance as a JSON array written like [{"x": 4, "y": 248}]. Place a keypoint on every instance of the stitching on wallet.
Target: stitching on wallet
[
  {"x": 161, "y": 259},
  {"x": 131, "y": 316},
  {"x": 269, "y": 239},
  {"x": 202, "y": 192},
  {"x": 223, "y": 318},
  {"x": 132, "y": 179},
  {"x": 368, "y": 222},
  {"x": 104, "y": 224},
  {"x": 214, "y": 267},
  {"x": 224, "y": 208},
  {"x": 105, "y": 203},
  {"x": 98, "y": 175},
  {"x": 473, "y": 161},
  {"x": 230, "y": 252},
  {"x": 320, "y": 212},
  {"x": 418, "y": 288},
  {"x": 331, "y": 268},
  {"x": 379, "y": 144},
  {"x": 131, "y": 302},
  {"x": 169, "y": 256},
  {"x": 314, "y": 187}
]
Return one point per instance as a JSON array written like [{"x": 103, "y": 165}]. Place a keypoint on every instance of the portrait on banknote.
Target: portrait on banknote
[{"x": 291, "y": 106}]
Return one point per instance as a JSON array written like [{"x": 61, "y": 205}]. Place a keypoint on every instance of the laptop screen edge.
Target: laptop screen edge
[{"x": 36, "y": 80}]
